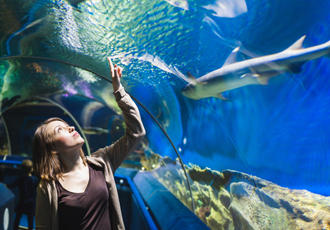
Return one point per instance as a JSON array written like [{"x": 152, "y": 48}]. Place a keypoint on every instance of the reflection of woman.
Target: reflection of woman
[
  {"x": 78, "y": 192},
  {"x": 26, "y": 184}
]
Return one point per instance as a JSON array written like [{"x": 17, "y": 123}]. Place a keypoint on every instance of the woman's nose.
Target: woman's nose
[{"x": 71, "y": 129}]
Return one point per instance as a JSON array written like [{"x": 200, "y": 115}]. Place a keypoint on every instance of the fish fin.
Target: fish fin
[
  {"x": 244, "y": 75},
  {"x": 232, "y": 58},
  {"x": 192, "y": 78},
  {"x": 263, "y": 80},
  {"x": 298, "y": 44},
  {"x": 220, "y": 96},
  {"x": 251, "y": 75}
]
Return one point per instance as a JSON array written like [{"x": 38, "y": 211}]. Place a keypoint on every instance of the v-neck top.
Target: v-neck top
[{"x": 88, "y": 209}]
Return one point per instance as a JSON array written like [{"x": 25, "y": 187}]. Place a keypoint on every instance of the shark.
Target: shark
[{"x": 254, "y": 71}]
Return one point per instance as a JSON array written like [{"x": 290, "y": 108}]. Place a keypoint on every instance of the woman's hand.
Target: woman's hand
[{"x": 116, "y": 73}]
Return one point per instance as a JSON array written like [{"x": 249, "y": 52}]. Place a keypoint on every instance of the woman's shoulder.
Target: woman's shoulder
[
  {"x": 95, "y": 161},
  {"x": 45, "y": 185}
]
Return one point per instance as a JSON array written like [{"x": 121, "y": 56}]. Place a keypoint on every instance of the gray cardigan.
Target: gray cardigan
[{"x": 108, "y": 159}]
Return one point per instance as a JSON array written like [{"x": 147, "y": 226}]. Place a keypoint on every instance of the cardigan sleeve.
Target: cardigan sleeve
[
  {"x": 117, "y": 152},
  {"x": 43, "y": 210}
]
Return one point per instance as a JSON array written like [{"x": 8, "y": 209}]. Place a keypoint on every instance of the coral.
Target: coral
[
  {"x": 214, "y": 178},
  {"x": 235, "y": 200}
]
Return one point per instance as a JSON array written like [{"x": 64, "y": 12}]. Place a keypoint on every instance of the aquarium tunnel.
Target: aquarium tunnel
[{"x": 234, "y": 96}]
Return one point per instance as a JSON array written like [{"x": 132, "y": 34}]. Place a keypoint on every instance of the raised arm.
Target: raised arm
[{"x": 117, "y": 152}]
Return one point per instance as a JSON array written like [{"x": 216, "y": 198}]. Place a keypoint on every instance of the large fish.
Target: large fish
[{"x": 257, "y": 70}]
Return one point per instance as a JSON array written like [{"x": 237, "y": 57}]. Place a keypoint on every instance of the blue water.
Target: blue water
[{"x": 279, "y": 132}]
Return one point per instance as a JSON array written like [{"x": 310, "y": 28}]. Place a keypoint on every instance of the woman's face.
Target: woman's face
[{"x": 66, "y": 138}]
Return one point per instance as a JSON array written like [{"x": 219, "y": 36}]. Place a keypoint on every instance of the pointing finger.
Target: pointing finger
[{"x": 111, "y": 67}]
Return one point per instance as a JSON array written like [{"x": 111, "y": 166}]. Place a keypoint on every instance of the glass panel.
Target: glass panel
[
  {"x": 79, "y": 95},
  {"x": 4, "y": 141},
  {"x": 256, "y": 155}
]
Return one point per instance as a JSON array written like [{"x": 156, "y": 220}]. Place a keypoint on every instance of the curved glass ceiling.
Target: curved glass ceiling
[{"x": 270, "y": 124}]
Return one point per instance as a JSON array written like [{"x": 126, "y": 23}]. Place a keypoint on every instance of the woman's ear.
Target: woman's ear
[{"x": 54, "y": 152}]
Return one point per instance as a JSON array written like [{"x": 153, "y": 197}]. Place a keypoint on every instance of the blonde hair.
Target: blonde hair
[{"x": 46, "y": 164}]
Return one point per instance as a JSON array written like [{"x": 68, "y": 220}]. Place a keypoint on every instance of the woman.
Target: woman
[
  {"x": 78, "y": 192},
  {"x": 26, "y": 184}
]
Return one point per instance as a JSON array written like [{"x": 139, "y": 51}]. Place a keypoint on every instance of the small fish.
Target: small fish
[{"x": 253, "y": 71}]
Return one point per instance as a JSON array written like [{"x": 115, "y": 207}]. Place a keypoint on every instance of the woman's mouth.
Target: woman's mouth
[{"x": 75, "y": 134}]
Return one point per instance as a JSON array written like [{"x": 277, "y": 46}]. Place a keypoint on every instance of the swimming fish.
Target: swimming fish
[{"x": 253, "y": 71}]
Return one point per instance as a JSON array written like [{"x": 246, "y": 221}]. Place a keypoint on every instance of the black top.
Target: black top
[{"x": 86, "y": 210}]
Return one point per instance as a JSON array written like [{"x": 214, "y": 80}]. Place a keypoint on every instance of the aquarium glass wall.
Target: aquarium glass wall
[{"x": 234, "y": 96}]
